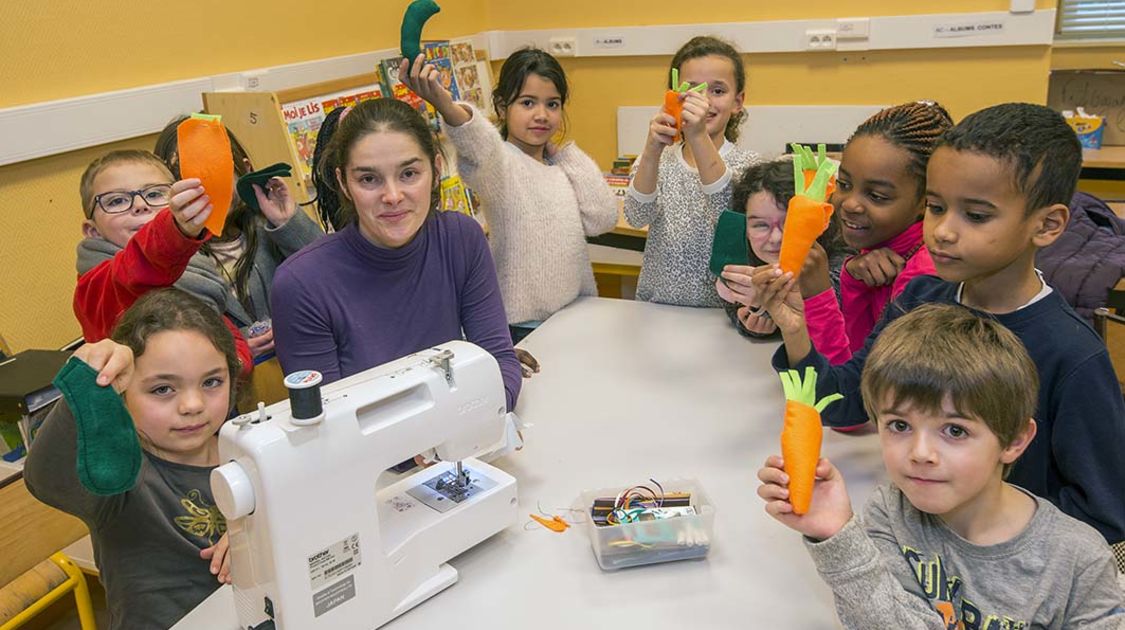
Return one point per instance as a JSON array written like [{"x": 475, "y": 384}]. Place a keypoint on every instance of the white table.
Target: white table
[{"x": 630, "y": 391}]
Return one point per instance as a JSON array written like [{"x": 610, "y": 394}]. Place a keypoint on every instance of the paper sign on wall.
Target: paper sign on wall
[{"x": 968, "y": 29}]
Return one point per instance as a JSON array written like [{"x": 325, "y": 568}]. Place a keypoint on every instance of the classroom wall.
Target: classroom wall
[
  {"x": 66, "y": 48},
  {"x": 1087, "y": 57},
  {"x": 963, "y": 80}
]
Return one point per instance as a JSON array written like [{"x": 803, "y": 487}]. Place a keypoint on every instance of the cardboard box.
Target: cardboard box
[{"x": 1101, "y": 92}]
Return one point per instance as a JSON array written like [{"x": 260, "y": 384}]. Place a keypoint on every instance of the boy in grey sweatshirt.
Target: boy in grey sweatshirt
[{"x": 948, "y": 544}]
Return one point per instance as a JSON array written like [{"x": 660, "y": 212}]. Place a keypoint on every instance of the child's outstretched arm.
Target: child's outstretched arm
[
  {"x": 482, "y": 158},
  {"x": 780, "y": 294},
  {"x": 51, "y": 472},
  {"x": 708, "y": 162},
  {"x": 640, "y": 200},
  {"x": 154, "y": 258},
  {"x": 849, "y": 558},
  {"x": 425, "y": 81}
]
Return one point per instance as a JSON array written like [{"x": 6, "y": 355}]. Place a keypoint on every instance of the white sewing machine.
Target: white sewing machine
[{"x": 313, "y": 544}]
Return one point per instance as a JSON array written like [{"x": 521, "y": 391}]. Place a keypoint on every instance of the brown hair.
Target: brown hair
[
  {"x": 940, "y": 350},
  {"x": 368, "y": 117},
  {"x": 173, "y": 309},
  {"x": 913, "y": 127},
  {"x": 95, "y": 168},
  {"x": 706, "y": 46}
]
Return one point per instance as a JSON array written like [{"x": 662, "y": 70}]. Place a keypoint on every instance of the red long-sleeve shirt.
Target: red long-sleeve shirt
[{"x": 154, "y": 258}]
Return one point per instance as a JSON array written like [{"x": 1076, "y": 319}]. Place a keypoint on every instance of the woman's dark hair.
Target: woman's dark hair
[
  {"x": 514, "y": 72},
  {"x": 706, "y": 46},
  {"x": 241, "y": 215},
  {"x": 776, "y": 178},
  {"x": 368, "y": 117},
  {"x": 327, "y": 201},
  {"x": 172, "y": 309},
  {"x": 913, "y": 127}
]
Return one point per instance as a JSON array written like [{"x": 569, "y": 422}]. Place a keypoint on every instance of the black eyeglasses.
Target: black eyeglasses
[{"x": 119, "y": 201}]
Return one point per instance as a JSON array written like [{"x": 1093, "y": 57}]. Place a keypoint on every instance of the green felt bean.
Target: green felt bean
[{"x": 410, "y": 40}]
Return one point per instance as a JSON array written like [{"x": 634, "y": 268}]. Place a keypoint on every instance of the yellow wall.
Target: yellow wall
[
  {"x": 1086, "y": 57},
  {"x": 963, "y": 80},
  {"x": 65, "y": 48}
]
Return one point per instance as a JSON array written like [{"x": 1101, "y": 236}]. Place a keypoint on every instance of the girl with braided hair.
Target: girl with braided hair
[{"x": 879, "y": 202}]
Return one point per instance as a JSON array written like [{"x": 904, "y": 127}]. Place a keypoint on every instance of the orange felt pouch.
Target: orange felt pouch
[{"x": 205, "y": 154}]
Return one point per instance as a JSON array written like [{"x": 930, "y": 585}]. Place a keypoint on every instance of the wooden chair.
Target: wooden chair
[
  {"x": 29, "y": 532},
  {"x": 267, "y": 384}
]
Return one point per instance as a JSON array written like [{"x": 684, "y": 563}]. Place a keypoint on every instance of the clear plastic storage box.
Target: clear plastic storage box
[{"x": 651, "y": 542}]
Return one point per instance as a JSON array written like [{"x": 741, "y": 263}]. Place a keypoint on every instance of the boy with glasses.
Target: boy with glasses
[{"x": 137, "y": 238}]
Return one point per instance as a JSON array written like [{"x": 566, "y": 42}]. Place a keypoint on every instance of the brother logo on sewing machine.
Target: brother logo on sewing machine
[{"x": 443, "y": 492}]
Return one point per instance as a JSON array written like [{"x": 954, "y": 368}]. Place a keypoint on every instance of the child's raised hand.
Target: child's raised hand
[
  {"x": 425, "y": 81},
  {"x": 694, "y": 116},
  {"x": 736, "y": 282},
  {"x": 276, "y": 202},
  {"x": 219, "y": 556},
  {"x": 260, "y": 344},
  {"x": 779, "y": 293},
  {"x": 661, "y": 132},
  {"x": 876, "y": 268},
  {"x": 190, "y": 206},
  {"x": 829, "y": 510},
  {"x": 112, "y": 361},
  {"x": 814, "y": 278},
  {"x": 756, "y": 320}
]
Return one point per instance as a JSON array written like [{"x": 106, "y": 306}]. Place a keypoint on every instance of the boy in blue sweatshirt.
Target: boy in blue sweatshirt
[{"x": 996, "y": 192}]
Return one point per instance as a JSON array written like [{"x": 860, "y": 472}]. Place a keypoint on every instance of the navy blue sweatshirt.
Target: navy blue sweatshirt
[{"x": 1075, "y": 459}]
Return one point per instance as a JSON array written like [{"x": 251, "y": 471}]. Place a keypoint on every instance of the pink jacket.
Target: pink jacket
[{"x": 837, "y": 334}]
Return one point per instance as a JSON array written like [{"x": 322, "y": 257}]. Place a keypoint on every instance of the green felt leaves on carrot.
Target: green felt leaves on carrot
[
  {"x": 410, "y": 35},
  {"x": 204, "y": 149},
  {"x": 809, "y": 212},
  {"x": 673, "y": 99},
  {"x": 801, "y": 435}
]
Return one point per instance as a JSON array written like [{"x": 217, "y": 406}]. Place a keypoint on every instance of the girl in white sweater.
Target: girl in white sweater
[{"x": 541, "y": 200}]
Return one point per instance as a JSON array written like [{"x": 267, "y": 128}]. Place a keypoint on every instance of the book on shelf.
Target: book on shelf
[{"x": 304, "y": 118}]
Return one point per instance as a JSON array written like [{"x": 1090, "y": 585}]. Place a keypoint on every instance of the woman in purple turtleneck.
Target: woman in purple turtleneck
[{"x": 401, "y": 276}]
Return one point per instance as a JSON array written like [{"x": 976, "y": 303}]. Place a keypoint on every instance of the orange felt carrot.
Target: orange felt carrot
[
  {"x": 673, "y": 105},
  {"x": 809, "y": 212},
  {"x": 675, "y": 108},
  {"x": 801, "y": 435},
  {"x": 205, "y": 154}
]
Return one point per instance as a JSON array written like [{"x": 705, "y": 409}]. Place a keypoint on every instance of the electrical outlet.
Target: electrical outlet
[
  {"x": 853, "y": 28},
  {"x": 562, "y": 46},
  {"x": 820, "y": 39}
]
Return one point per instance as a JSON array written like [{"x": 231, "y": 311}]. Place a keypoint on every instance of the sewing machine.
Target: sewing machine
[{"x": 313, "y": 543}]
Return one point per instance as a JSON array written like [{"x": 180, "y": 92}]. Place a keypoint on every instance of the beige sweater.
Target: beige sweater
[{"x": 539, "y": 215}]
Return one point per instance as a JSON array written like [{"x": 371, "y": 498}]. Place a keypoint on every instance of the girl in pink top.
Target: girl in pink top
[{"x": 879, "y": 201}]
